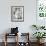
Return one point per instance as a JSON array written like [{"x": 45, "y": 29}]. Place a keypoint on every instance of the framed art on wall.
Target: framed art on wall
[{"x": 17, "y": 13}]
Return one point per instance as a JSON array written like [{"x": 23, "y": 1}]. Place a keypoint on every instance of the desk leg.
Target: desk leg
[{"x": 5, "y": 43}]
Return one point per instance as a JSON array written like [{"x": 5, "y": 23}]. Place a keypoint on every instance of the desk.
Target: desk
[{"x": 17, "y": 43}]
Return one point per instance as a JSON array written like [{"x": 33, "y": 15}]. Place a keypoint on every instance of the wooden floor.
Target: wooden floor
[{"x": 13, "y": 44}]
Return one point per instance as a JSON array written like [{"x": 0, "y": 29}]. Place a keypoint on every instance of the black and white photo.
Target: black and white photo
[{"x": 17, "y": 13}]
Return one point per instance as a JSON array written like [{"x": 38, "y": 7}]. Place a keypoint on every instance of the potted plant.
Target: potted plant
[{"x": 39, "y": 35}]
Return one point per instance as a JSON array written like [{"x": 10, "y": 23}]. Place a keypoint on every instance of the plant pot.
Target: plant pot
[{"x": 40, "y": 41}]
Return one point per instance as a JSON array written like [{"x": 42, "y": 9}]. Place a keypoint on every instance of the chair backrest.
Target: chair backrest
[{"x": 14, "y": 30}]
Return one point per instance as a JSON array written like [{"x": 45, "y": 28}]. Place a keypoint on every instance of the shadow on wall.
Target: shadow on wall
[{"x": 7, "y": 30}]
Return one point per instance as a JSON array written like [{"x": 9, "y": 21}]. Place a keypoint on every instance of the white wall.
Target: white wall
[{"x": 29, "y": 15}]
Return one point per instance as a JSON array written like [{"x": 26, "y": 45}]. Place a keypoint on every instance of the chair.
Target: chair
[
  {"x": 14, "y": 32},
  {"x": 7, "y": 35}
]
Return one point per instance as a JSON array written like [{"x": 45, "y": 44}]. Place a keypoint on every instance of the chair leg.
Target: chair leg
[
  {"x": 5, "y": 40},
  {"x": 5, "y": 43}
]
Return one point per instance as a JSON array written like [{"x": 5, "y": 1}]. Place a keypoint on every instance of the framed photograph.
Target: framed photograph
[{"x": 17, "y": 13}]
